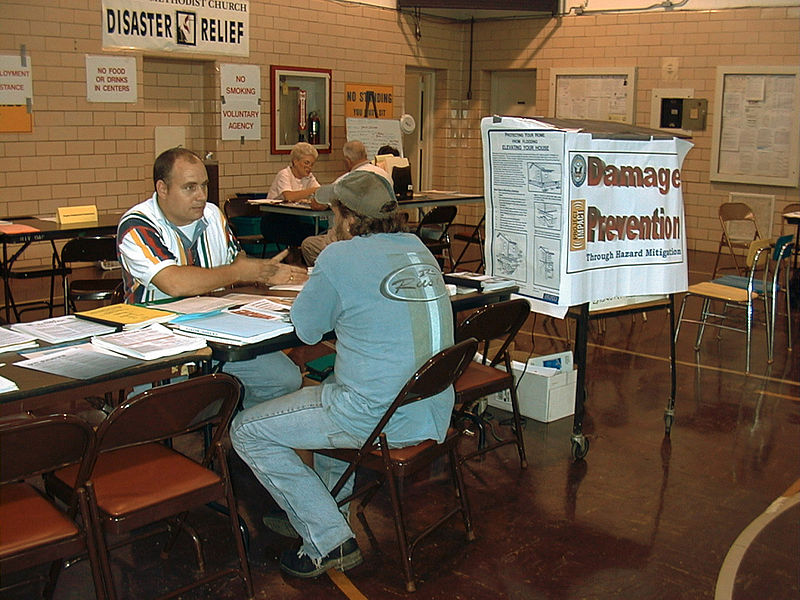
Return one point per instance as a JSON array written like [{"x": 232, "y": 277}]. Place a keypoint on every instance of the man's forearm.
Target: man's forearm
[{"x": 178, "y": 281}]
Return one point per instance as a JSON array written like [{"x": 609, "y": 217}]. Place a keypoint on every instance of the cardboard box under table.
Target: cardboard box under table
[{"x": 545, "y": 389}]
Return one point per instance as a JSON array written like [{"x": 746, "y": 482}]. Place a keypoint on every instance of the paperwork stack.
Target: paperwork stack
[
  {"x": 235, "y": 329},
  {"x": 478, "y": 281},
  {"x": 126, "y": 316},
  {"x": 148, "y": 343}
]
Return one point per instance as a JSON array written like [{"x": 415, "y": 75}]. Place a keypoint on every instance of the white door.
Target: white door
[{"x": 418, "y": 145}]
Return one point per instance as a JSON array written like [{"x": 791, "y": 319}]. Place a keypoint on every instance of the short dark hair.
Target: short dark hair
[
  {"x": 394, "y": 222},
  {"x": 387, "y": 149},
  {"x": 166, "y": 160}
]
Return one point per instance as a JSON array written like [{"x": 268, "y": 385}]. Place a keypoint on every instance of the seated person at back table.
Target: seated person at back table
[
  {"x": 355, "y": 159},
  {"x": 176, "y": 244},
  {"x": 381, "y": 291},
  {"x": 293, "y": 183}
]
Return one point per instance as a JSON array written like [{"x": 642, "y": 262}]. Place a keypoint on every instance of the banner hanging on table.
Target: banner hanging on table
[
  {"x": 575, "y": 217},
  {"x": 182, "y": 26}
]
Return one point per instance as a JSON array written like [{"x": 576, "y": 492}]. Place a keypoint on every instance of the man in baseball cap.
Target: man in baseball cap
[{"x": 381, "y": 291}]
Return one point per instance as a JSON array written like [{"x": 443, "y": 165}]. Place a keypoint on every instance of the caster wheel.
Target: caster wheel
[
  {"x": 669, "y": 419},
  {"x": 580, "y": 448}
]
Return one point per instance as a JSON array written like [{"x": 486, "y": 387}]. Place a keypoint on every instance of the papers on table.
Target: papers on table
[
  {"x": 287, "y": 288},
  {"x": 202, "y": 304},
  {"x": 235, "y": 329},
  {"x": 11, "y": 228},
  {"x": 148, "y": 343},
  {"x": 265, "y": 307},
  {"x": 11, "y": 340},
  {"x": 127, "y": 316},
  {"x": 77, "y": 362},
  {"x": 486, "y": 283},
  {"x": 62, "y": 329},
  {"x": 6, "y": 385}
]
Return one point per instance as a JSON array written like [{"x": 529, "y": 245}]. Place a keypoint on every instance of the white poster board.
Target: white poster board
[
  {"x": 599, "y": 93},
  {"x": 241, "y": 101},
  {"x": 575, "y": 219},
  {"x": 111, "y": 78},
  {"x": 756, "y": 120},
  {"x": 374, "y": 133}
]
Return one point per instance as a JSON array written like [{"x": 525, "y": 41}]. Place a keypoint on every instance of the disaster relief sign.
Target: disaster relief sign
[{"x": 181, "y": 26}]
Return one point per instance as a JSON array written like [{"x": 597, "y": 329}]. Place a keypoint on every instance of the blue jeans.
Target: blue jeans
[
  {"x": 263, "y": 378},
  {"x": 266, "y": 435}
]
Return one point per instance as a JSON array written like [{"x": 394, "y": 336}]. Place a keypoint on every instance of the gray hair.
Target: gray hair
[
  {"x": 354, "y": 151},
  {"x": 301, "y": 149}
]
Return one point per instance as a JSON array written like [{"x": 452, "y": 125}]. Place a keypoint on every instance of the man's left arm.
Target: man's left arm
[{"x": 316, "y": 308}]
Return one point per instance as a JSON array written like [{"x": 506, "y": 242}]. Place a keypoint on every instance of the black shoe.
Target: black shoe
[
  {"x": 278, "y": 522},
  {"x": 346, "y": 556}
]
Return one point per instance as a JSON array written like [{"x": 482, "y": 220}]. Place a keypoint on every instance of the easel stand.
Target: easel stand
[{"x": 580, "y": 445}]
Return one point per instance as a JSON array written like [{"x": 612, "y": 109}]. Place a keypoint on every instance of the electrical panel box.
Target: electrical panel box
[{"x": 683, "y": 113}]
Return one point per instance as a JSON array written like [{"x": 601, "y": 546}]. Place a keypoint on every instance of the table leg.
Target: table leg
[
  {"x": 580, "y": 445},
  {"x": 669, "y": 413}
]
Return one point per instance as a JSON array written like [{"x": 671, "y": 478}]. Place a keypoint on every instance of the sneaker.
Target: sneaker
[
  {"x": 278, "y": 522},
  {"x": 346, "y": 556}
]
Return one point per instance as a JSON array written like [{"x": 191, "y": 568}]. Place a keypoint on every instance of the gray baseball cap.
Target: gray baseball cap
[{"x": 363, "y": 192}]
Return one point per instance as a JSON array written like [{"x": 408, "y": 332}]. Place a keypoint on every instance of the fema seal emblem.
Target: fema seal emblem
[{"x": 577, "y": 170}]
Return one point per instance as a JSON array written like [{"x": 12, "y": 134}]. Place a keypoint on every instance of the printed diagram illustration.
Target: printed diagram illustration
[
  {"x": 546, "y": 271},
  {"x": 510, "y": 256},
  {"x": 544, "y": 177},
  {"x": 548, "y": 216}
]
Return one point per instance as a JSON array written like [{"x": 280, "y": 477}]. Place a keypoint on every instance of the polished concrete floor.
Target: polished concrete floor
[{"x": 711, "y": 508}]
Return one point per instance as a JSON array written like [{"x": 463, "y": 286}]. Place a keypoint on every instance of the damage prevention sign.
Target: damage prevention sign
[
  {"x": 575, "y": 218},
  {"x": 181, "y": 26}
]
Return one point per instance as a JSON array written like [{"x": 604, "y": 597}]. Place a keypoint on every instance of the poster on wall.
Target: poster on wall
[
  {"x": 368, "y": 101},
  {"x": 241, "y": 101},
  {"x": 111, "y": 78},
  {"x": 185, "y": 27},
  {"x": 574, "y": 217},
  {"x": 16, "y": 94}
]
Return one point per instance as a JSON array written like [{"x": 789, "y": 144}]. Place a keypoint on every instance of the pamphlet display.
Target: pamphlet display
[{"x": 574, "y": 217}]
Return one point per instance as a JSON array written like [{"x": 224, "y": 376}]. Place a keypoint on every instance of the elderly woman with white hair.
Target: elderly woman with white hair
[{"x": 296, "y": 182}]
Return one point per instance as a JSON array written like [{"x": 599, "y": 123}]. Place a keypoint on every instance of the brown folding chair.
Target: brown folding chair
[
  {"x": 89, "y": 249},
  {"x": 245, "y": 222},
  {"x": 137, "y": 481},
  {"x": 475, "y": 236},
  {"x": 394, "y": 465},
  {"x": 739, "y": 228},
  {"x": 433, "y": 231},
  {"x": 498, "y": 322},
  {"x": 33, "y": 529}
]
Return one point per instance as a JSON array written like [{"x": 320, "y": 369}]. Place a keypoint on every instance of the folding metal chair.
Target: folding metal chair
[
  {"x": 136, "y": 481},
  {"x": 33, "y": 528},
  {"x": 739, "y": 228},
  {"x": 89, "y": 249},
  {"x": 394, "y": 465}
]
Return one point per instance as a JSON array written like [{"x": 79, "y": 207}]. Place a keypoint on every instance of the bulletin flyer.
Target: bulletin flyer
[{"x": 574, "y": 218}]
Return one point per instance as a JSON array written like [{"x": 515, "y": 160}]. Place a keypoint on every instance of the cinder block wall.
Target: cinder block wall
[
  {"x": 94, "y": 153},
  {"x": 700, "y": 40}
]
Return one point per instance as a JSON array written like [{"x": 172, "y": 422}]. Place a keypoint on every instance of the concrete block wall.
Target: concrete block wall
[
  {"x": 700, "y": 40},
  {"x": 82, "y": 153}
]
